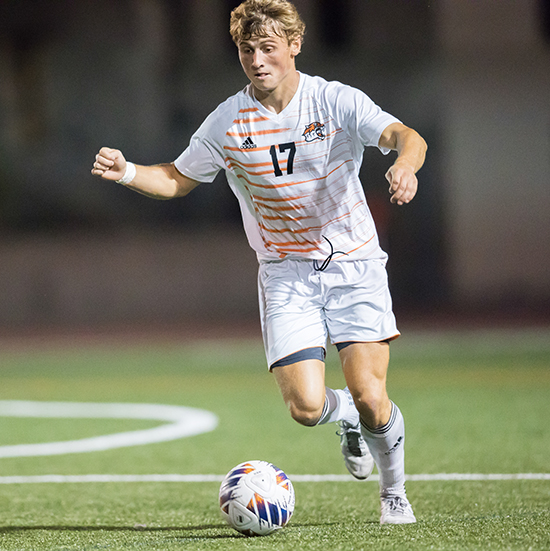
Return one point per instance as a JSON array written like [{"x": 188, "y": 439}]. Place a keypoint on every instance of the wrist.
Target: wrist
[
  {"x": 405, "y": 163},
  {"x": 129, "y": 174}
]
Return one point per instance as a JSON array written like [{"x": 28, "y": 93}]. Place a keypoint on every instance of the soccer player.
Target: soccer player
[{"x": 291, "y": 146}]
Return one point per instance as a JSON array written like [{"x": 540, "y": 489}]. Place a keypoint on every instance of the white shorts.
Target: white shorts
[{"x": 301, "y": 307}]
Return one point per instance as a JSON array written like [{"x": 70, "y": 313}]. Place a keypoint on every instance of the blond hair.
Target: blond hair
[{"x": 265, "y": 17}]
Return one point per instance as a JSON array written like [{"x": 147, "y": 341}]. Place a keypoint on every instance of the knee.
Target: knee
[
  {"x": 373, "y": 405},
  {"x": 304, "y": 413}
]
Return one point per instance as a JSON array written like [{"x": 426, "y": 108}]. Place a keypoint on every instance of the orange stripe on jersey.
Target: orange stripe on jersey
[
  {"x": 309, "y": 158},
  {"x": 250, "y": 173},
  {"x": 248, "y": 110},
  {"x": 265, "y": 186},
  {"x": 273, "y": 186},
  {"x": 257, "y": 132},
  {"x": 350, "y": 230},
  {"x": 237, "y": 164},
  {"x": 250, "y": 165},
  {"x": 244, "y": 121},
  {"x": 230, "y": 148},
  {"x": 303, "y": 230},
  {"x": 278, "y": 209},
  {"x": 283, "y": 248},
  {"x": 288, "y": 230},
  {"x": 284, "y": 217},
  {"x": 349, "y": 213},
  {"x": 326, "y": 176},
  {"x": 279, "y": 199},
  {"x": 294, "y": 244},
  {"x": 304, "y": 243},
  {"x": 347, "y": 230},
  {"x": 356, "y": 248}
]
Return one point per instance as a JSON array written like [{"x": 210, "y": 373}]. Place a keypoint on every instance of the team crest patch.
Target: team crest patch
[{"x": 314, "y": 131}]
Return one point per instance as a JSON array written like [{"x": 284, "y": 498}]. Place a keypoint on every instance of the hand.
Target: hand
[
  {"x": 109, "y": 164},
  {"x": 403, "y": 183}
]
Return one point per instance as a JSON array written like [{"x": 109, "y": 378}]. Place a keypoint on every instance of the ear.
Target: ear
[{"x": 295, "y": 47}]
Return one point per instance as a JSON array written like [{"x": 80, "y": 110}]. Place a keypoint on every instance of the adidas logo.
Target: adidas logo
[
  {"x": 394, "y": 449},
  {"x": 248, "y": 144}
]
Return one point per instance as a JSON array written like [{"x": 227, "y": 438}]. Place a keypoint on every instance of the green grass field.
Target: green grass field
[{"x": 473, "y": 403}]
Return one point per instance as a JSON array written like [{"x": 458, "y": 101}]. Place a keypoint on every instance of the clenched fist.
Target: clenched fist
[{"x": 109, "y": 164}]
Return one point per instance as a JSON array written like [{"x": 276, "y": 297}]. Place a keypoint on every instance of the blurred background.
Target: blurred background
[{"x": 141, "y": 75}]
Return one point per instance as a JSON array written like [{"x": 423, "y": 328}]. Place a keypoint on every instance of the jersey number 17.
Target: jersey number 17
[{"x": 283, "y": 147}]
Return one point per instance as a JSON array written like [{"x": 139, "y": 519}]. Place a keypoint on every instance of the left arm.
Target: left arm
[{"x": 411, "y": 152}]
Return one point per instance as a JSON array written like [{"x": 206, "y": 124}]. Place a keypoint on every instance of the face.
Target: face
[{"x": 268, "y": 61}]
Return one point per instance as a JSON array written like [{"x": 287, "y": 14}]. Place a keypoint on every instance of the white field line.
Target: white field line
[
  {"x": 182, "y": 422},
  {"x": 109, "y": 478}
]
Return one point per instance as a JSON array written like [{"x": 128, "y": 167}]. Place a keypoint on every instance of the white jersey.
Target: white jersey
[{"x": 295, "y": 173}]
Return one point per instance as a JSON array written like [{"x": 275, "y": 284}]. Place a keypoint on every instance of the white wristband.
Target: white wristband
[{"x": 129, "y": 175}]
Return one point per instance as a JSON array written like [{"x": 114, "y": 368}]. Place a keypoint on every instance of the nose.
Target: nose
[{"x": 257, "y": 59}]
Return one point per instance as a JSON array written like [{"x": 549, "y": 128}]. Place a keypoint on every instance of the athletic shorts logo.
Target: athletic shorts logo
[
  {"x": 314, "y": 131},
  {"x": 248, "y": 144}
]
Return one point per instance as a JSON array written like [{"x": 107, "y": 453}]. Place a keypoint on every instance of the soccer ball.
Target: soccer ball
[{"x": 256, "y": 498}]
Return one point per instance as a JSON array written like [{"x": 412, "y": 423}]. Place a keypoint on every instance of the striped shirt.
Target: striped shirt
[{"x": 295, "y": 173}]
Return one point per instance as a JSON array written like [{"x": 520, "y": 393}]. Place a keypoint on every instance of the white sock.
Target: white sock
[
  {"x": 387, "y": 446},
  {"x": 339, "y": 406}
]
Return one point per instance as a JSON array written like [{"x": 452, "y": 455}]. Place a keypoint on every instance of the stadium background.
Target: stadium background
[{"x": 141, "y": 75}]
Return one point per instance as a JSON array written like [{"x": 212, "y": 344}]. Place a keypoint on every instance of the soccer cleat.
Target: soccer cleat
[
  {"x": 357, "y": 456},
  {"x": 396, "y": 510}
]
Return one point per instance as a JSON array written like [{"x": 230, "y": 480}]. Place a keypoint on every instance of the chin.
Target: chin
[{"x": 263, "y": 87}]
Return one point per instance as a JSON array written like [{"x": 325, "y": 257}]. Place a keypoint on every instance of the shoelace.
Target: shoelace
[
  {"x": 353, "y": 442},
  {"x": 327, "y": 260},
  {"x": 396, "y": 504}
]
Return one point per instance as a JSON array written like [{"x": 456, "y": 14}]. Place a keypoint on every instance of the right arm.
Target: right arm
[{"x": 159, "y": 181}]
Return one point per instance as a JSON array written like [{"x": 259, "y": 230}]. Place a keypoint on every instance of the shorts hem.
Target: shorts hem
[
  {"x": 353, "y": 341},
  {"x": 301, "y": 356}
]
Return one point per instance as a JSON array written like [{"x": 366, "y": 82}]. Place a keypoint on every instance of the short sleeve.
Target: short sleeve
[
  {"x": 361, "y": 117},
  {"x": 202, "y": 160}
]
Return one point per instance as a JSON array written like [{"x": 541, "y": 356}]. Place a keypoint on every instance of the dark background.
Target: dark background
[{"x": 140, "y": 75}]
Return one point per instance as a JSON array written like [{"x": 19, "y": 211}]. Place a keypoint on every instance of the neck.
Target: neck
[{"x": 276, "y": 100}]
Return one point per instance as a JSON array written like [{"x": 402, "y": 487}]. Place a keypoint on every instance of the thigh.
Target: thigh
[
  {"x": 365, "y": 367},
  {"x": 302, "y": 385}
]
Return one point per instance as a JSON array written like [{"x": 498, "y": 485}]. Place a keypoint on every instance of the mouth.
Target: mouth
[{"x": 261, "y": 76}]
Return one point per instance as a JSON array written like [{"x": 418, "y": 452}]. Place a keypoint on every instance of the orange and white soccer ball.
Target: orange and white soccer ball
[{"x": 256, "y": 498}]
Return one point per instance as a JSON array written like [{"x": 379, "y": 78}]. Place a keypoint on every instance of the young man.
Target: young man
[{"x": 291, "y": 146}]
